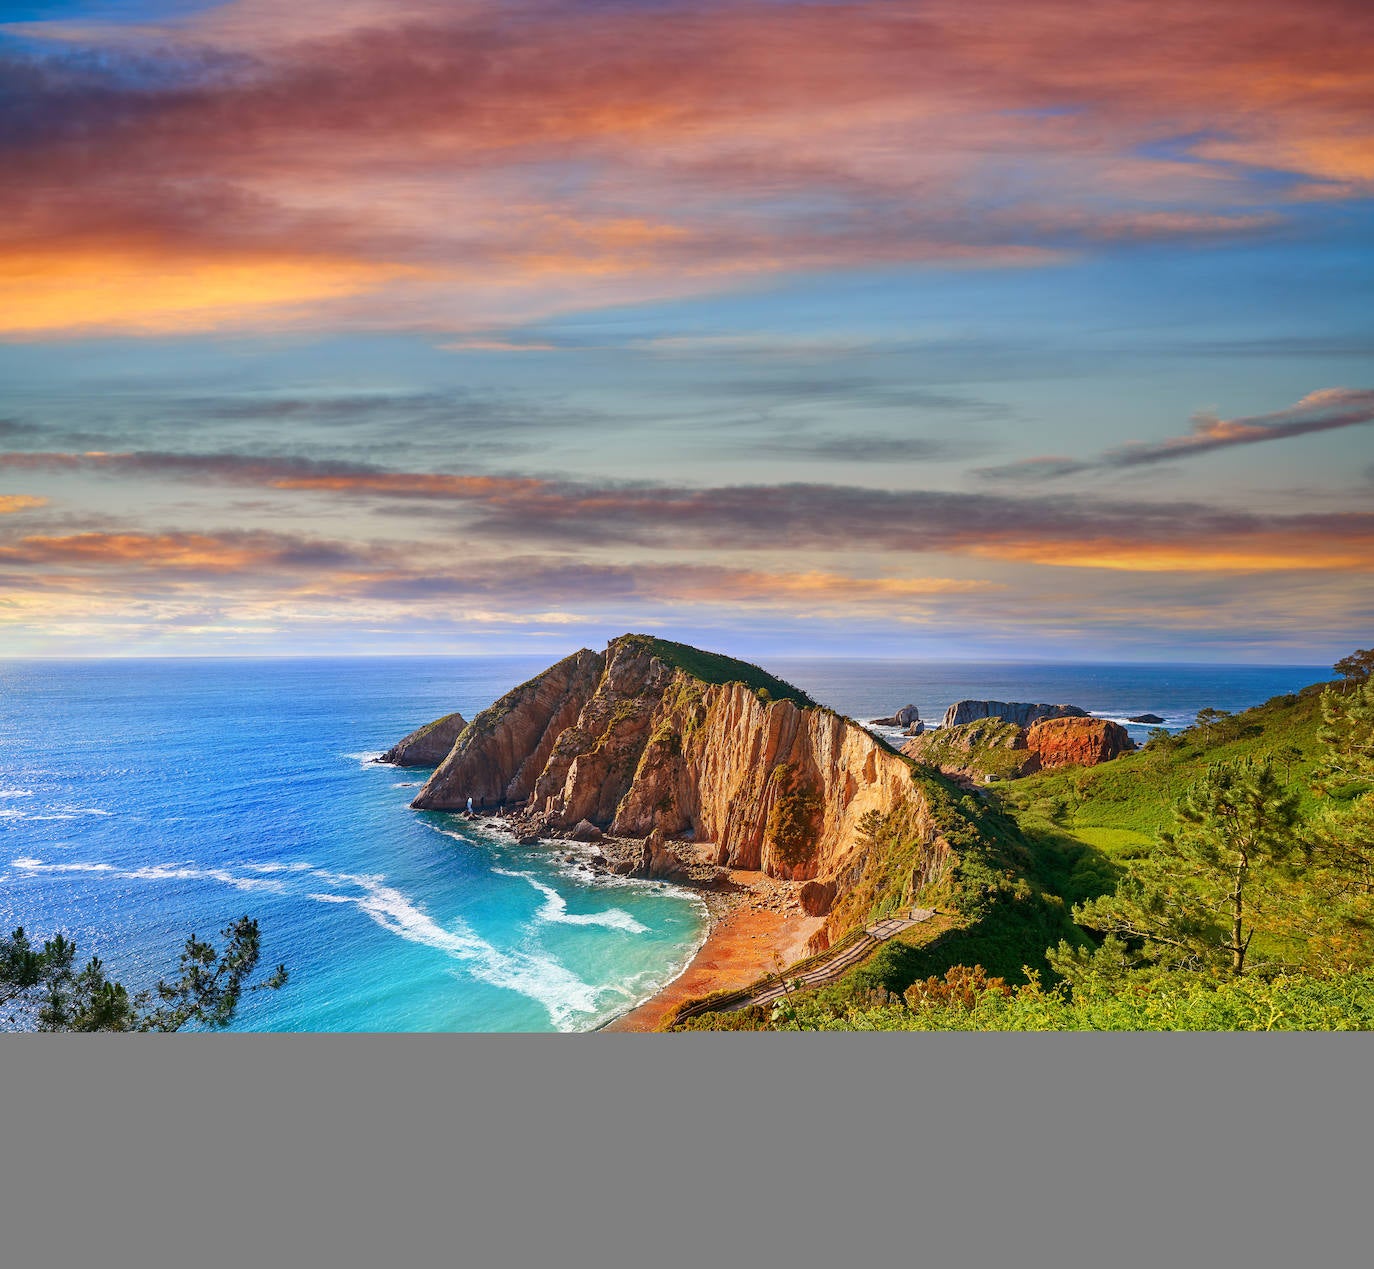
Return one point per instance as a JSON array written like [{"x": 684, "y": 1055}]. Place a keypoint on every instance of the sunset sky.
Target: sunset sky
[{"x": 1017, "y": 328}]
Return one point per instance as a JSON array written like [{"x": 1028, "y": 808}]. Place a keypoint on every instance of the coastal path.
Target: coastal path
[{"x": 825, "y": 968}]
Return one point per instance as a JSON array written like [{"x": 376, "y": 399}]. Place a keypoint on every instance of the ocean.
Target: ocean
[{"x": 143, "y": 800}]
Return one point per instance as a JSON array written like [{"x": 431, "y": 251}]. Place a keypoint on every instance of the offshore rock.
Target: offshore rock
[
  {"x": 428, "y": 746},
  {"x": 991, "y": 749},
  {"x": 1082, "y": 742},
  {"x": 1146, "y": 718},
  {"x": 1019, "y": 712},
  {"x": 904, "y": 717}
]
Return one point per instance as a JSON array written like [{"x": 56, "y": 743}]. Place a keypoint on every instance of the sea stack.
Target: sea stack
[{"x": 427, "y": 746}]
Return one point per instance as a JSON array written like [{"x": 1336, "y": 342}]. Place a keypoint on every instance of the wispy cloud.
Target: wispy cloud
[
  {"x": 1325, "y": 410},
  {"x": 1055, "y": 530}
]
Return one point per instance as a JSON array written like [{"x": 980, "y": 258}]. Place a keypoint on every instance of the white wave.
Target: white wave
[
  {"x": 30, "y": 865},
  {"x": 555, "y": 908},
  {"x": 56, "y": 813},
  {"x": 366, "y": 759},
  {"x": 298, "y": 866},
  {"x": 15, "y": 793},
  {"x": 539, "y": 978},
  {"x": 152, "y": 872}
]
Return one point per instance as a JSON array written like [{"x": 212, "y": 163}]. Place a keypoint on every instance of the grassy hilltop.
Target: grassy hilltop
[{"x": 1006, "y": 952}]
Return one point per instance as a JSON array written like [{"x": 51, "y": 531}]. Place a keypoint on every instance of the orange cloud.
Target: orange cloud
[
  {"x": 196, "y": 551},
  {"x": 151, "y": 291},
  {"x": 457, "y": 166},
  {"x": 10, "y": 504},
  {"x": 1261, "y": 553}
]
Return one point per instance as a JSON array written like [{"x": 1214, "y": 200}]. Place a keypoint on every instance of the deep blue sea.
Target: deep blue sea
[{"x": 142, "y": 801}]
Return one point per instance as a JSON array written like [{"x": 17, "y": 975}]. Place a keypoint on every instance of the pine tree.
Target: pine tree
[
  {"x": 1197, "y": 899},
  {"x": 47, "y": 991}
]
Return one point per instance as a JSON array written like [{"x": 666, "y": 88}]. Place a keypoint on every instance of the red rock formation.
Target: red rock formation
[{"x": 1083, "y": 742}]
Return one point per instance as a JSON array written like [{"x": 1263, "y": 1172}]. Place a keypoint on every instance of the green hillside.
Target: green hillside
[
  {"x": 1120, "y": 806},
  {"x": 1000, "y": 955}
]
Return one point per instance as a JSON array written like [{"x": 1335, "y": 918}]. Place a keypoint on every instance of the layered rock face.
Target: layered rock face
[
  {"x": 1083, "y": 742},
  {"x": 502, "y": 752},
  {"x": 638, "y": 747},
  {"x": 427, "y": 746},
  {"x": 1019, "y": 712}
]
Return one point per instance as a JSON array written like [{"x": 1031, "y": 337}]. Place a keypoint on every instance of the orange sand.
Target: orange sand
[{"x": 738, "y": 950}]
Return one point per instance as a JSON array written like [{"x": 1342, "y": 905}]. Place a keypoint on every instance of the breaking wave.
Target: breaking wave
[{"x": 555, "y": 908}]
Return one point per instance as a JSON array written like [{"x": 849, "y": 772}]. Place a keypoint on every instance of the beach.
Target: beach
[{"x": 749, "y": 925}]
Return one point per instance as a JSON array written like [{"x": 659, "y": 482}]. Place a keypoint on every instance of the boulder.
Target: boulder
[
  {"x": 917, "y": 728},
  {"x": 658, "y": 860},
  {"x": 1082, "y": 742},
  {"x": 586, "y": 831},
  {"x": 1021, "y": 713},
  {"x": 1146, "y": 718},
  {"x": 816, "y": 897}
]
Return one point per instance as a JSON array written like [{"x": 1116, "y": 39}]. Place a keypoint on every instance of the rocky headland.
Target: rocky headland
[
  {"x": 703, "y": 761},
  {"x": 797, "y": 825}
]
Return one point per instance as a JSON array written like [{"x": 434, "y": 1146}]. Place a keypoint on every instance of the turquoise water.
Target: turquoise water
[{"x": 141, "y": 801}]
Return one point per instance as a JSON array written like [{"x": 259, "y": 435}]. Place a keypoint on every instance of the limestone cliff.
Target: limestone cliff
[
  {"x": 427, "y": 746},
  {"x": 652, "y": 736},
  {"x": 501, "y": 753}
]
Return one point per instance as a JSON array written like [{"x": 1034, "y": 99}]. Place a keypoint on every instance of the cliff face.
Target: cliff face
[
  {"x": 633, "y": 743},
  {"x": 1021, "y": 713},
  {"x": 1083, "y": 742},
  {"x": 501, "y": 752},
  {"x": 427, "y": 746}
]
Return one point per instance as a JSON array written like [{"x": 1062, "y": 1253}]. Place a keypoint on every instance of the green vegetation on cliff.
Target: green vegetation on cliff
[
  {"x": 716, "y": 669},
  {"x": 986, "y": 748}
]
